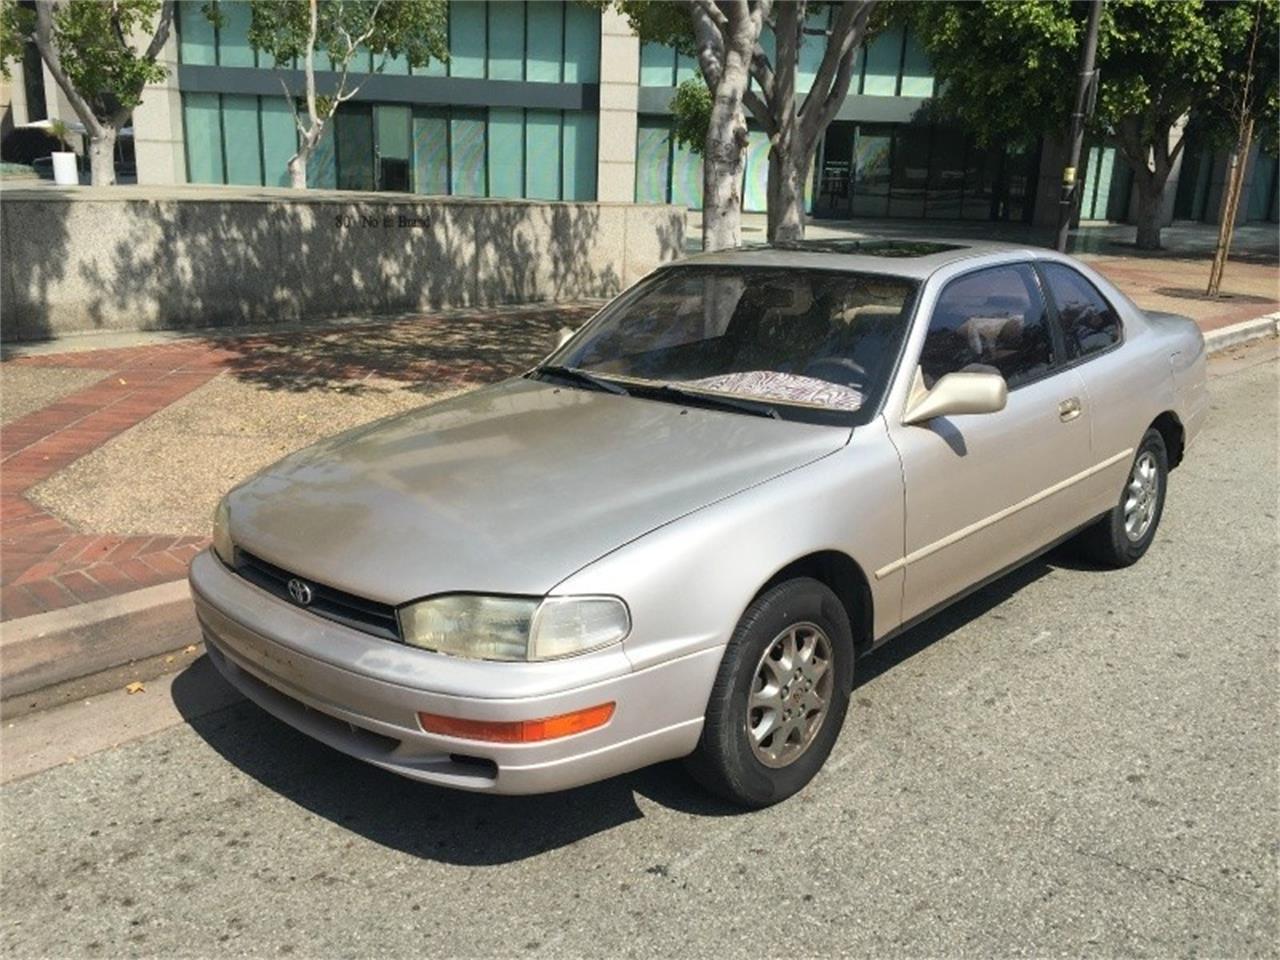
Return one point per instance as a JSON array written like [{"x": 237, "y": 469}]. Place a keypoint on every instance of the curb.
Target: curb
[
  {"x": 51, "y": 650},
  {"x": 1243, "y": 332}
]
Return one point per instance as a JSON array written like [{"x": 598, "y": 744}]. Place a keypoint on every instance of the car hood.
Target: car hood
[{"x": 508, "y": 489}]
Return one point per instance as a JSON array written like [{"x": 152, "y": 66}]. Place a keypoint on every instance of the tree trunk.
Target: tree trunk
[
  {"x": 1148, "y": 217},
  {"x": 723, "y": 165},
  {"x": 786, "y": 197},
  {"x": 102, "y": 157},
  {"x": 298, "y": 169}
]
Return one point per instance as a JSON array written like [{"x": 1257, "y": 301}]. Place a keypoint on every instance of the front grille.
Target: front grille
[{"x": 368, "y": 616}]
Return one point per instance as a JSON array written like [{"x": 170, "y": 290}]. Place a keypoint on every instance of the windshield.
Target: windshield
[{"x": 803, "y": 341}]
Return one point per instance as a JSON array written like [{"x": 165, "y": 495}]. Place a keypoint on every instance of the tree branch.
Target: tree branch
[
  {"x": 710, "y": 39},
  {"x": 161, "y": 36},
  {"x": 848, "y": 27},
  {"x": 44, "y": 42},
  {"x": 761, "y": 110}
]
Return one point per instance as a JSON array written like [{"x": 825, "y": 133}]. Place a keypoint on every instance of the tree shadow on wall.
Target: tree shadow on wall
[
  {"x": 27, "y": 282},
  {"x": 257, "y": 257}
]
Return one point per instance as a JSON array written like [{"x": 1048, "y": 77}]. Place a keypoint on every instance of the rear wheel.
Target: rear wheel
[
  {"x": 1123, "y": 535},
  {"x": 780, "y": 697}
]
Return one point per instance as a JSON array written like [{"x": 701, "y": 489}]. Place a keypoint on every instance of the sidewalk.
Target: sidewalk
[
  {"x": 112, "y": 459},
  {"x": 115, "y": 448}
]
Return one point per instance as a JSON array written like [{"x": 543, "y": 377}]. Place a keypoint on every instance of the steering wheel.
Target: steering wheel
[{"x": 841, "y": 370}]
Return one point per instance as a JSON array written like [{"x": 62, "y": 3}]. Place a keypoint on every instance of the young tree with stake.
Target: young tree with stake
[{"x": 297, "y": 30}]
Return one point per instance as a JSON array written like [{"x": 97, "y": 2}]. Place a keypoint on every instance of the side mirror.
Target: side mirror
[
  {"x": 956, "y": 393},
  {"x": 563, "y": 335}
]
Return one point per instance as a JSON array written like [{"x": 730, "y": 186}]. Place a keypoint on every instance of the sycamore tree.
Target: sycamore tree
[
  {"x": 345, "y": 31},
  {"x": 739, "y": 75},
  {"x": 89, "y": 49},
  {"x": 1006, "y": 71}
]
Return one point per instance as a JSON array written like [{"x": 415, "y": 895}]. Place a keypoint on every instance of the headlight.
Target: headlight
[
  {"x": 514, "y": 628},
  {"x": 222, "y": 533}
]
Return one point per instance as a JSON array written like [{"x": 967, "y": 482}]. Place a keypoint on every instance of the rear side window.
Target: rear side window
[
  {"x": 990, "y": 321},
  {"x": 1089, "y": 323}
]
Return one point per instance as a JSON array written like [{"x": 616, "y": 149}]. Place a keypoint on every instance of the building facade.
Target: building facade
[{"x": 554, "y": 100}]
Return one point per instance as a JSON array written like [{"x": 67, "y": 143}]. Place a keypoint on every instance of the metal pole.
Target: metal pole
[{"x": 1070, "y": 191}]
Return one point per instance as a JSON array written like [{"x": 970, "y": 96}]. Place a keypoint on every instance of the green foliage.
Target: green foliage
[
  {"x": 1006, "y": 68},
  {"x": 414, "y": 29},
  {"x": 16, "y": 24},
  {"x": 691, "y": 106},
  {"x": 92, "y": 40}
]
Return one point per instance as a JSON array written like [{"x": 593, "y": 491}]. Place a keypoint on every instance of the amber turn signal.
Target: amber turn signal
[{"x": 518, "y": 731}]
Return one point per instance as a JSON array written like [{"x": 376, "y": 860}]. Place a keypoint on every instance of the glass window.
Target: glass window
[
  {"x": 686, "y": 178},
  {"x": 506, "y": 40},
  {"x": 581, "y": 42},
  {"x": 466, "y": 39},
  {"x": 653, "y": 160},
  {"x": 686, "y": 69},
  {"x": 431, "y": 151},
  {"x": 353, "y": 131},
  {"x": 506, "y": 152},
  {"x": 872, "y": 152},
  {"x": 657, "y": 65},
  {"x": 542, "y": 148},
  {"x": 792, "y": 337},
  {"x": 946, "y": 174},
  {"x": 279, "y": 141},
  {"x": 197, "y": 43},
  {"x": 883, "y": 59},
  {"x": 201, "y": 116},
  {"x": 322, "y": 167},
  {"x": 466, "y": 153},
  {"x": 755, "y": 186},
  {"x": 579, "y": 148},
  {"x": 1089, "y": 323},
  {"x": 917, "y": 71},
  {"x": 989, "y": 321},
  {"x": 233, "y": 34},
  {"x": 543, "y": 53},
  {"x": 392, "y": 126},
  {"x": 981, "y": 170},
  {"x": 910, "y": 179}
]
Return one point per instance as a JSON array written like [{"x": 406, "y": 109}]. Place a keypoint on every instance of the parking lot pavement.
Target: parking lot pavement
[{"x": 1070, "y": 761}]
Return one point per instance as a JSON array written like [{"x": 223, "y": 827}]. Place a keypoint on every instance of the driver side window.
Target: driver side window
[{"x": 990, "y": 321}]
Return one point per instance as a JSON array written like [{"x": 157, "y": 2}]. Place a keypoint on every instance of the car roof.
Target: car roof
[{"x": 916, "y": 258}]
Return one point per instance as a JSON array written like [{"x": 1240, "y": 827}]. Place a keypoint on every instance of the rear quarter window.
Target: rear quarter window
[{"x": 1089, "y": 323}]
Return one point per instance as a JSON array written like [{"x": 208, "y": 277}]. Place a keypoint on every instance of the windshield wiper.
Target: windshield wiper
[
  {"x": 718, "y": 401},
  {"x": 581, "y": 377}
]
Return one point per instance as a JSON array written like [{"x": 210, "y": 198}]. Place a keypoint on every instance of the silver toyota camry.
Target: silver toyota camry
[{"x": 676, "y": 536}]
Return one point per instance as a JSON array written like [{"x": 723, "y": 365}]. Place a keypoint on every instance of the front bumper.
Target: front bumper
[{"x": 362, "y": 695}]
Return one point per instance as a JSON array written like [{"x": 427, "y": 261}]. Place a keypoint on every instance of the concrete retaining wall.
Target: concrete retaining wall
[{"x": 140, "y": 258}]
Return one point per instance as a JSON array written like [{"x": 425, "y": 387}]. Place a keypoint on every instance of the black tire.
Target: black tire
[
  {"x": 1106, "y": 542},
  {"x": 725, "y": 761}
]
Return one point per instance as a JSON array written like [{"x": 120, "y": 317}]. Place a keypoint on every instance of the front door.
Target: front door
[{"x": 984, "y": 491}]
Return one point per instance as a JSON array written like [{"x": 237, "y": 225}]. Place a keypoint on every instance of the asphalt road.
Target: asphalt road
[{"x": 1071, "y": 761}]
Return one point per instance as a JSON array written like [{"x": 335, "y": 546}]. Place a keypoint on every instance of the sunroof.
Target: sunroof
[{"x": 870, "y": 248}]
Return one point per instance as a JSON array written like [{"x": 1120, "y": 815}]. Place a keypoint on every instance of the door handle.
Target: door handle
[{"x": 1069, "y": 409}]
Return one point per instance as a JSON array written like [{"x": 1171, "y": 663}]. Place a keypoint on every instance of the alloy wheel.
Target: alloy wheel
[{"x": 790, "y": 693}]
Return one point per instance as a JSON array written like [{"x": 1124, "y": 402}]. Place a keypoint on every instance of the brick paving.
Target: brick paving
[{"x": 46, "y": 564}]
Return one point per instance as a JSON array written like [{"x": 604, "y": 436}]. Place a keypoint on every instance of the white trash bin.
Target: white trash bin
[{"x": 65, "y": 171}]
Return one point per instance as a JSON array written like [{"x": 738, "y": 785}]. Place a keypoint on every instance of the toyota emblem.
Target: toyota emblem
[{"x": 300, "y": 591}]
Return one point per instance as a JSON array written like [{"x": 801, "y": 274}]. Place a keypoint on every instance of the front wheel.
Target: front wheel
[
  {"x": 780, "y": 697},
  {"x": 1122, "y": 536}
]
